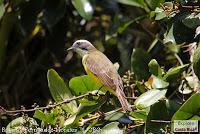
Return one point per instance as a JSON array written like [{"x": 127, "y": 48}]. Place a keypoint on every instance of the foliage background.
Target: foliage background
[{"x": 35, "y": 34}]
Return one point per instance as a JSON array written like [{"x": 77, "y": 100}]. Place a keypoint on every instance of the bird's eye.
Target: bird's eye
[{"x": 83, "y": 48}]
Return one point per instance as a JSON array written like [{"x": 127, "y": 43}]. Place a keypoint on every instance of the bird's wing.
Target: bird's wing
[{"x": 103, "y": 68}]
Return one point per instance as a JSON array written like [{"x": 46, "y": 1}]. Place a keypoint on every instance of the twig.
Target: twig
[
  {"x": 179, "y": 59},
  {"x": 132, "y": 98},
  {"x": 46, "y": 107},
  {"x": 161, "y": 121},
  {"x": 105, "y": 114}
]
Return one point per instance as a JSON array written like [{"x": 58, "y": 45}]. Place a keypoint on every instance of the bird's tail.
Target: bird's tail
[{"x": 122, "y": 99}]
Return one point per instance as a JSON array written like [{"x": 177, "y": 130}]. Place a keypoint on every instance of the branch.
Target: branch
[
  {"x": 161, "y": 121},
  {"x": 46, "y": 107}
]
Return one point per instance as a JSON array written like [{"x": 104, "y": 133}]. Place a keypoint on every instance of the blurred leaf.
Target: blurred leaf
[
  {"x": 84, "y": 8},
  {"x": 189, "y": 109},
  {"x": 86, "y": 102},
  {"x": 181, "y": 32},
  {"x": 154, "y": 3},
  {"x": 110, "y": 128},
  {"x": 174, "y": 48},
  {"x": 125, "y": 25},
  {"x": 139, "y": 114},
  {"x": 60, "y": 91},
  {"x": 160, "y": 13},
  {"x": 149, "y": 98},
  {"x": 39, "y": 115},
  {"x": 153, "y": 44},
  {"x": 169, "y": 36},
  {"x": 140, "y": 87},
  {"x": 137, "y": 3},
  {"x": 20, "y": 123},
  {"x": 114, "y": 116},
  {"x": 196, "y": 62},
  {"x": 7, "y": 24},
  {"x": 29, "y": 15},
  {"x": 52, "y": 117},
  {"x": 83, "y": 84},
  {"x": 139, "y": 63},
  {"x": 53, "y": 12},
  {"x": 174, "y": 73},
  {"x": 158, "y": 83},
  {"x": 2, "y": 9},
  {"x": 90, "y": 127},
  {"x": 192, "y": 20},
  {"x": 156, "y": 114},
  {"x": 172, "y": 106},
  {"x": 154, "y": 68},
  {"x": 197, "y": 32},
  {"x": 70, "y": 120}
]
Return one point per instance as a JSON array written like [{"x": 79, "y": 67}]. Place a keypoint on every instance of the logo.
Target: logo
[{"x": 185, "y": 125}]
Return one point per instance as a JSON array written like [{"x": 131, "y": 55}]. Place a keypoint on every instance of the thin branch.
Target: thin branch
[
  {"x": 161, "y": 121},
  {"x": 3, "y": 111},
  {"x": 132, "y": 98},
  {"x": 101, "y": 115},
  {"x": 179, "y": 59}
]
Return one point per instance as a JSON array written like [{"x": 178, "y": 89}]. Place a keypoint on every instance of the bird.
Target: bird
[{"x": 101, "y": 69}]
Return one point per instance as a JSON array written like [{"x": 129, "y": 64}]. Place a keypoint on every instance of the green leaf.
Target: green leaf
[
  {"x": 114, "y": 116},
  {"x": 39, "y": 115},
  {"x": 70, "y": 120},
  {"x": 47, "y": 118},
  {"x": 84, "y": 8},
  {"x": 172, "y": 106},
  {"x": 20, "y": 123},
  {"x": 158, "y": 111},
  {"x": 86, "y": 102},
  {"x": 139, "y": 114},
  {"x": 83, "y": 84},
  {"x": 189, "y": 110},
  {"x": 84, "y": 110},
  {"x": 111, "y": 128},
  {"x": 154, "y": 3},
  {"x": 160, "y": 13},
  {"x": 174, "y": 73},
  {"x": 60, "y": 91},
  {"x": 192, "y": 20},
  {"x": 92, "y": 127},
  {"x": 159, "y": 83},
  {"x": 149, "y": 98},
  {"x": 52, "y": 117},
  {"x": 139, "y": 64},
  {"x": 140, "y": 87},
  {"x": 154, "y": 68},
  {"x": 169, "y": 36}
]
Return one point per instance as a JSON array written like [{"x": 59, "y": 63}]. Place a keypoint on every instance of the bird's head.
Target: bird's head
[{"x": 82, "y": 47}]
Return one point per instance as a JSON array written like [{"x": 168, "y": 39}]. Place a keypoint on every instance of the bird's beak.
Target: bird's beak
[{"x": 71, "y": 48}]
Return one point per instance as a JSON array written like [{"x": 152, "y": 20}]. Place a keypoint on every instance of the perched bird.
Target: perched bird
[{"x": 101, "y": 69}]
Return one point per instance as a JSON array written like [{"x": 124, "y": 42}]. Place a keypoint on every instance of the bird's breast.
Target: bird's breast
[{"x": 92, "y": 75}]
